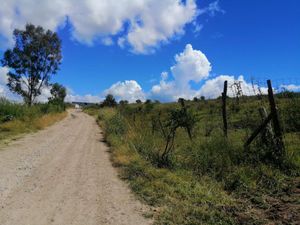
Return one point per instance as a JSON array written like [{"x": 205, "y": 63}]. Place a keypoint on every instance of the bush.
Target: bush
[
  {"x": 116, "y": 125},
  {"x": 205, "y": 179},
  {"x": 11, "y": 111},
  {"x": 291, "y": 115},
  {"x": 215, "y": 157}
]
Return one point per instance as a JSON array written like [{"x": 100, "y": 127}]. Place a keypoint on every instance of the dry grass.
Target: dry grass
[
  {"x": 10, "y": 130},
  {"x": 48, "y": 120},
  {"x": 211, "y": 180}
]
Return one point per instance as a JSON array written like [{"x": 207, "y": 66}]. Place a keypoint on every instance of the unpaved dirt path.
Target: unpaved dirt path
[{"x": 62, "y": 175}]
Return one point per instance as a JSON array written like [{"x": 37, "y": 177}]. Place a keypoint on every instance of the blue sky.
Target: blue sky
[{"x": 253, "y": 38}]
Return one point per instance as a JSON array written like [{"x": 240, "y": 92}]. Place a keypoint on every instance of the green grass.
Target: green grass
[
  {"x": 17, "y": 119},
  {"x": 210, "y": 179}
]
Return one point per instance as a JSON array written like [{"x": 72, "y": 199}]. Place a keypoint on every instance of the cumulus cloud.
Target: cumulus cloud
[
  {"x": 4, "y": 91},
  {"x": 193, "y": 66},
  {"x": 3, "y": 81},
  {"x": 83, "y": 98},
  {"x": 190, "y": 65},
  {"x": 73, "y": 97},
  {"x": 128, "y": 90},
  {"x": 143, "y": 25},
  {"x": 45, "y": 92},
  {"x": 3, "y": 75},
  {"x": 212, "y": 88},
  {"x": 290, "y": 87}
]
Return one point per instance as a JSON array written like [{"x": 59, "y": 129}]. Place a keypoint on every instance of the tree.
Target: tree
[
  {"x": 109, "y": 101},
  {"x": 123, "y": 102},
  {"x": 180, "y": 100},
  {"x": 58, "y": 93},
  {"x": 138, "y": 101},
  {"x": 148, "y": 101},
  {"x": 35, "y": 57}
]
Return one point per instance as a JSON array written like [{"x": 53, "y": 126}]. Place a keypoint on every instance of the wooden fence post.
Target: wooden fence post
[
  {"x": 224, "y": 112},
  {"x": 268, "y": 133},
  {"x": 280, "y": 150},
  {"x": 258, "y": 130}
]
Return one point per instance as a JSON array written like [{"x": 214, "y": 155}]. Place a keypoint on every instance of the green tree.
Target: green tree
[
  {"x": 34, "y": 58},
  {"x": 109, "y": 101},
  {"x": 195, "y": 99},
  {"x": 58, "y": 93},
  {"x": 123, "y": 102},
  {"x": 148, "y": 101}
]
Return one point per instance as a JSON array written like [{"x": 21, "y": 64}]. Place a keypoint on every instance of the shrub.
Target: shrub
[
  {"x": 10, "y": 111},
  {"x": 215, "y": 157},
  {"x": 116, "y": 125}
]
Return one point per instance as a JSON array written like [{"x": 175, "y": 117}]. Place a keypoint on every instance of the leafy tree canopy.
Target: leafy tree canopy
[
  {"x": 34, "y": 58},
  {"x": 58, "y": 93},
  {"x": 109, "y": 101}
]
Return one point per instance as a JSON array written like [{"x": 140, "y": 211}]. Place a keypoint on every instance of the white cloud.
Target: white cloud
[
  {"x": 73, "y": 97},
  {"x": 212, "y": 9},
  {"x": 290, "y": 87},
  {"x": 45, "y": 92},
  {"x": 83, "y": 98},
  {"x": 3, "y": 81},
  {"x": 158, "y": 21},
  {"x": 4, "y": 91},
  {"x": 143, "y": 25},
  {"x": 191, "y": 65},
  {"x": 197, "y": 28},
  {"x": 128, "y": 90},
  {"x": 164, "y": 91},
  {"x": 3, "y": 75},
  {"x": 213, "y": 88},
  {"x": 107, "y": 41}
]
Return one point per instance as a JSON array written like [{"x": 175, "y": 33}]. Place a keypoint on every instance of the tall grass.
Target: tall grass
[
  {"x": 16, "y": 118},
  {"x": 210, "y": 179}
]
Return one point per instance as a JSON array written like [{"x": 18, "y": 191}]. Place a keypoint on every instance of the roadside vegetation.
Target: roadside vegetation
[
  {"x": 177, "y": 160},
  {"x": 17, "y": 118},
  {"x": 33, "y": 60}
]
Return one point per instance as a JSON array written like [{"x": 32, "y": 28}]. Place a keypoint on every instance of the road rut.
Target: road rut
[{"x": 62, "y": 175}]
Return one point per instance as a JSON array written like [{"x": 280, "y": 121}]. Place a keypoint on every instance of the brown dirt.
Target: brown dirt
[{"x": 62, "y": 175}]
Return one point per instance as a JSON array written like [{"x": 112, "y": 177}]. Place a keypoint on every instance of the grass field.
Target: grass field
[
  {"x": 17, "y": 119},
  {"x": 206, "y": 179}
]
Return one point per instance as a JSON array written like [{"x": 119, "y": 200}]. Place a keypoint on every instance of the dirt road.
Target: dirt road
[{"x": 62, "y": 175}]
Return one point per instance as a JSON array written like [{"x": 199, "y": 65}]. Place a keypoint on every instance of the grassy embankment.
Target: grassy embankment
[
  {"x": 207, "y": 179},
  {"x": 17, "y": 119}
]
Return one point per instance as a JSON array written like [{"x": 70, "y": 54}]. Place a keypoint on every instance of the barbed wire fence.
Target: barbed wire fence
[{"x": 248, "y": 110}]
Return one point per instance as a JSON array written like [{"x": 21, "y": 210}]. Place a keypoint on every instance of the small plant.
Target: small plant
[
  {"x": 177, "y": 118},
  {"x": 116, "y": 125}
]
